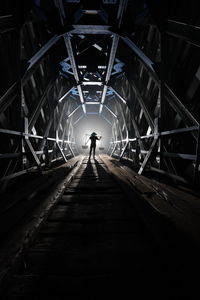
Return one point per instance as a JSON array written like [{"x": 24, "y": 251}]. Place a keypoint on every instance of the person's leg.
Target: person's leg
[
  {"x": 94, "y": 151},
  {"x": 90, "y": 151}
]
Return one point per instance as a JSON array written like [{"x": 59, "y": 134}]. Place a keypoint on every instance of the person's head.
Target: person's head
[{"x": 93, "y": 134}]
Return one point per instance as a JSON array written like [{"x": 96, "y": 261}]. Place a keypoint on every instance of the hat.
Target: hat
[{"x": 94, "y": 133}]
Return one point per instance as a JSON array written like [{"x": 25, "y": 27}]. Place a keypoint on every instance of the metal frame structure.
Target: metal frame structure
[{"x": 155, "y": 121}]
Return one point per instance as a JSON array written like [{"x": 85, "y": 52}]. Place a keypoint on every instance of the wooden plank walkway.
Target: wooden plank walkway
[{"x": 94, "y": 245}]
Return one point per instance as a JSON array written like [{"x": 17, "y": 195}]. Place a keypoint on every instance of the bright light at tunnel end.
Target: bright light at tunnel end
[{"x": 84, "y": 128}]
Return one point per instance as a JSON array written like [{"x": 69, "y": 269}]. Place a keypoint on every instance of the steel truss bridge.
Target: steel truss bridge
[
  {"x": 134, "y": 64},
  {"x": 127, "y": 221}
]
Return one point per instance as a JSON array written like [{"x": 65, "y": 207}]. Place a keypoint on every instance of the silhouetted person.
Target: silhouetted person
[{"x": 93, "y": 138}]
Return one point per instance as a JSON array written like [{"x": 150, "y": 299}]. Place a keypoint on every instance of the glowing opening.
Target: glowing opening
[{"x": 87, "y": 125}]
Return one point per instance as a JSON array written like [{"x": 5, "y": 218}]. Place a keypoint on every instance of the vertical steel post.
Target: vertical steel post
[{"x": 197, "y": 162}]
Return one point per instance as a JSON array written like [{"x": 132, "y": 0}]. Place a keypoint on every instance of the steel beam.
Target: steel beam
[
  {"x": 185, "y": 31},
  {"x": 143, "y": 106},
  {"x": 118, "y": 128},
  {"x": 114, "y": 131},
  {"x": 46, "y": 133},
  {"x": 92, "y": 44},
  {"x": 170, "y": 175},
  {"x": 69, "y": 115},
  {"x": 32, "y": 151},
  {"x": 23, "y": 134},
  {"x": 120, "y": 108},
  {"x": 120, "y": 12},
  {"x": 105, "y": 88},
  {"x": 7, "y": 99},
  {"x": 64, "y": 130},
  {"x": 146, "y": 61},
  {"x": 110, "y": 66},
  {"x": 81, "y": 117},
  {"x": 179, "y": 130},
  {"x": 132, "y": 119},
  {"x": 68, "y": 44},
  {"x": 39, "y": 55},
  {"x": 61, "y": 10},
  {"x": 36, "y": 112},
  {"x": 112, "y": 56},
  {"x": 14, "y": 175},
  {"x": 80, "y": 93},
  {"x": 10, "y": 155},
  {"x": 90, "y": 29},
  {"x": 92, "y": 83},
  {"x": 178, "y": 106},
  {"x": 179, "y": 155},
  {"x": 61, "y": 151},
  {"x": 69, "y": 144},
  {"x": 137, "y": 133},
  {"x": 110, "y": 111},
  {"x": 113, "y": 150},
  {"x": 197, "y": 160},
  {"x": 61, "y": 116},
  {"x": 104, "y": 15},
  {"x": 123, "y": 151},
  {"x": 148, "y": 156},
  {"x": 106, "y": 119},
  {"x": 70, "y": 148},
  {"x": 118, "y": 95},
  {"x": 7, "y": 23},
  {"x": 66, "y": 124},
  {"x": 65, "y": 95},
  {"x": 29, "y": 145},
  {"x": 92, "y": 103}
]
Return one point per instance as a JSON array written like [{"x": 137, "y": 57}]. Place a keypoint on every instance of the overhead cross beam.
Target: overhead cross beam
[{"x": 90, "y": 29}]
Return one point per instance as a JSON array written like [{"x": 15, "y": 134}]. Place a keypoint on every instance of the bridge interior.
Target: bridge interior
[{"x": 129, "y": 71}]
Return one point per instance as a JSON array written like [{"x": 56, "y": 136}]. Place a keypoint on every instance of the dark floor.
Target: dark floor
[{"x": 94, "y": 245}]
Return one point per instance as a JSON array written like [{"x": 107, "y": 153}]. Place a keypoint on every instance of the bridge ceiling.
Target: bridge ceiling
[{"x": 134, "y": 65}]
